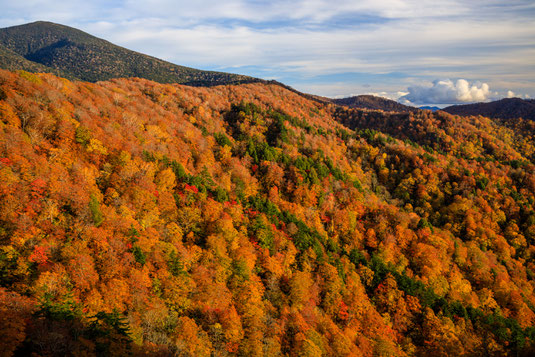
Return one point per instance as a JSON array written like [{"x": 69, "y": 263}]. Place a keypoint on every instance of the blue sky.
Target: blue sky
[{"x": 419, "y": 51}]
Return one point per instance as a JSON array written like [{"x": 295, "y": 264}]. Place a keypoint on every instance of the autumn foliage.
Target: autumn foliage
[{"x": 147, "y": 219}]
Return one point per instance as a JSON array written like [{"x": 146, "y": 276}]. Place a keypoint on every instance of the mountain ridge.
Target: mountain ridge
[
  {"x": 506, "y": 108},
  {"x": 429, "y": 107},
  {"x": 372, "y": 102},
  {"x": 75, "y": 54}
]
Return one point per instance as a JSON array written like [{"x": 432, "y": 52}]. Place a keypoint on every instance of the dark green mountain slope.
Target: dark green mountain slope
[
  {"x": 13, "y": 61},
  {"x": 48, "y": 47}
]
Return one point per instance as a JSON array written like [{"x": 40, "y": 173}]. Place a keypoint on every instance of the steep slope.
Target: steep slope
[
  {"x": 76, "y": 54},
  {"x": 12, "y": 61},
  {"x": 138, "y": 217},
  {"x": 507, "y": 108},
  {"x": 445, "y": 133},
  {"x": 373, "y": 102}
]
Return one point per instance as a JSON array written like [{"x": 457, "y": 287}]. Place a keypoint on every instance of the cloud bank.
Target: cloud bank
[{"x": 448, "y": 92}]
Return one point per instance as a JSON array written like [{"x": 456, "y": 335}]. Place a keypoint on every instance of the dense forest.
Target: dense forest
[{"x": 158, "y": 219}]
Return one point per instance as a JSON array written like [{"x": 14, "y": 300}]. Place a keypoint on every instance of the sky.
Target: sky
[{"x": 415, "y": 51}]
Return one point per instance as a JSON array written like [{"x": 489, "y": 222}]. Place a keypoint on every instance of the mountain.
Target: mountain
[
  {"x": 374, "y": 103},
  {"x": 74, "y": 54},
  {"x": 431, "y": 108},
  {"x": 507, "y": 108},
  {"x": 138, "y": 218},
  {"x": 12, "y": 61}
]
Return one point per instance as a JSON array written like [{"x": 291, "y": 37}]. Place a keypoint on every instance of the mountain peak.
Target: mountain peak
[{"x": 75, "y": 54}]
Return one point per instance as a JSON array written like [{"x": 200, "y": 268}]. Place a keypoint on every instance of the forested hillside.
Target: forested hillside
[
  {"x": 157, "y": 219},
  {"x": 503, "y": 109},
  {"x": 13, "y": 61},
  {"x": 374, "y": 102},
  {"x": 53, "y": 48}
]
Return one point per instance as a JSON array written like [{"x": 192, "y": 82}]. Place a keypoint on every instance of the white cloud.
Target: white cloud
[{"x": 446, "y": 91}]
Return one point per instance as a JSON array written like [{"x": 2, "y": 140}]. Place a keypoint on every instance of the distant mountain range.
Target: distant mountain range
[
  {"x": 431, "y": 108},
  {"x": 74, "y": 54},
  {"x": 507, "y": 108},
  {"x": 374, "y": 103}
]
